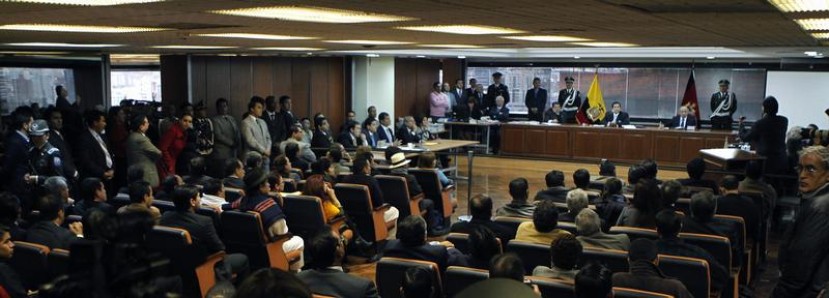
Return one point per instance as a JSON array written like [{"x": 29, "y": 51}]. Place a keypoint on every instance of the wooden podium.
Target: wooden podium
[{"x": 729, "y": 161}]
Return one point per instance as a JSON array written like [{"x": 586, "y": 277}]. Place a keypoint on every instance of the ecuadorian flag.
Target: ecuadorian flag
[{"x": 593, "y": 109}]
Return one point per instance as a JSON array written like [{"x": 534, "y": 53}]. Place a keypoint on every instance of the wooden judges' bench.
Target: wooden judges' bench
[{"x": 667, "y": 147}]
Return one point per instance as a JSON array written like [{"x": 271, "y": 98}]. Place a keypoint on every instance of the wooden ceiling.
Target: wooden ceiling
[{"x": 651, "y": 23}]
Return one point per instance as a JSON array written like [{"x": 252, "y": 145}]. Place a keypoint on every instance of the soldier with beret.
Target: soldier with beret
[{"x": 723, "y": 105}]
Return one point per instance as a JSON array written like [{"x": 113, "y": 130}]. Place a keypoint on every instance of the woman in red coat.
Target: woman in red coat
[{"x": 171, "y": 145}]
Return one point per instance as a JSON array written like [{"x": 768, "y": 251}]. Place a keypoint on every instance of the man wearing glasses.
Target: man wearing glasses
[{"x": 804, "y": 257}]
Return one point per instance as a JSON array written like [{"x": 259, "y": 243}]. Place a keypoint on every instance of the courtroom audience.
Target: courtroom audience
[
  {"x": 731, "y": 202},
  {"x": 555, "y": 191},
  {"x": 576, "y": 201},
  {"x": 607, "y": 168},
  {"x": 611, "y": 202},
  {"x": 542, "y": 229},
  {"x": 696, "y": 168},
  {"x": 519, "y": 190},
  {"x": 589, "y": 228},
  {"x": 594, "y": 280},
  {"x": 326, "y": 169},
  {"x": 635, "y": 173},
  {"x": 282, "y": 167},
  {"x": 10, "y": 215},
  {"x": 754, "y": 182},
  {"x": 581, "y": 179},
  {"x": 326, "y": 276},
  {"x": 644, "y": 273},
  {"x": 651, "y": 170},
  {"x": 48, "y": 230},
  {"x": 198, "y": 172},
  {"x": 417, "y": 283},
  {"x": 480, "y": 207},
  {"x": 411, "y": 244},
  {"x": 141, "y": 200},
  {"x": 335, "y": 154},
  {"x": 509, "y": 266},
  {"x": 702, "y": 220},
  {"x": 214, "y": 194},
  {"x": 234, "y": 171},
  {"x": 10, "y": 281},
  {"x": 565, "y": 253},
  {"x": 361, "y": 175},
  {"x": 668, "y": 226},
  {"x": 93, "y": 196},
  {"x": 272, "y": 282},
  {"x": 647, "y": 201},
  {"x": 483, "y": 246},
  {"x": 428, "y": 161},
  {"x": 167, "y": 186},
  {"x": 671, "y": 190},
  {"x": 292, "y": 151}
]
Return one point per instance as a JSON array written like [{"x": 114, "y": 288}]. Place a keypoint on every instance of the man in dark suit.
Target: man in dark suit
[
  {"x": 768, "y": 137},
  {"x": 234, "y": 172},
  {"x": 408, "y": 133},
  {"x": 536, "y": 100},
  {"x": 411, "y": 244},
  {"x": 275, "y": 120},
  {"x": 361, "y": 170},
  {"x": 352, "y": 137},
  {"x": 326, "y": 275},
  {"x": 668, "y": 226},
  {"x": 386, "y": 131},
  {"x": 286, "y": 104},
  {"x": 616, "y": 117},
  {"x": 226, "y": 137},
  {"x": 56, "y": 139},
  {"x": 93, "y": 155},
  {"x": 17, "y": 148},
  {"x": 459, "y": 93},
  {"x": 48, "y": 231},
  {"x": 471, "y": 90},
  {"x": 495, "y": 90},
  {"x": 732, "y": 203},
  {"x": 480, "y": 206},
  {"x": 570, "y": 101},
  {"x": 696, "y": 168},
  {"x": 683, "y": 120},
  {"x": 187, "y": 199},
  {"x": 370, "y": 132},
  {"x": 555, "y": 188},
  {"x": 322, "y": 134}
]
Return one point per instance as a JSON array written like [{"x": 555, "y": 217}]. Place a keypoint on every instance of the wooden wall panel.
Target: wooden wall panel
[
  {"x": 282, "y": 77},
  {"x": 317, "y": 90},
  {"x": 537, "y": 137},
  {"x": 557, "y": 143},
  {"x": 665, "y": 148},
  {"x": 198, "y": 78},
  {"x": 262, "y": 76},
  {"x": 217, "y": 71},
  {"x": 453, "y": 70},
  {"x": 337, "y": 90},
  {"x": 174, "y": 75},
  {"x": 413, "y": 79},
  {"x": 300, "y": 85},
  {"x": 512, "y": 140},
  {"x": 241, "y": 83},
  {"x": 88, "y": 85}
]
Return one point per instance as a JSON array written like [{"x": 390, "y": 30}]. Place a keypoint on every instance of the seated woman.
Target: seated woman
[
  {"x": 423, "y": 129},
  {"x": 324, "y": 167},
  {"x": 257, "y": 199},
  {"x": 331, "y": 208},
  {"x": 282, "y": 167}
]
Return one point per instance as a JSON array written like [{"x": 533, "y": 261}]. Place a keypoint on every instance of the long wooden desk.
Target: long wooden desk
[{"x": 667, "y": 147}]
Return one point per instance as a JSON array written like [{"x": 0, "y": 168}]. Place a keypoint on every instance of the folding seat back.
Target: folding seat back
[
  {"x": 212, "y": 214},
  {"x": 58, "y": 260},
  {"x": 615, "y": 260},
  {"x": 554, "y": 288},
  {"x": 304, "y": 215},
  {"x": 684, "y": 205},
  {"x": 396, "y": 192},
  {"x": 120, "y": 200},
  {"x": 164, "y": 206},
  {"x": 635, "y": 233},
  {"x": 567, "y": 226},
  {"x": 693, "y": 273},
  {"x": 390, "y": 272},
  {"x": 356, "y": 201},
  {"x": 233, "y": 194},
  {"x": 458, "y": 278},
  {"x": 719, "y": 247},
  {"x": 187, "y": 260},
  {"x": 243, "y": 233},
  {"x": 689, "y": 191},
  {"x": 510, "y": 222},
  {"x": 30, "y": 262},
  {"x": 289, "y": 185},
  {"x": 433, "y": 190},
  {"x": 531, "y": 254},
  {"x": 634, "y": 293}
]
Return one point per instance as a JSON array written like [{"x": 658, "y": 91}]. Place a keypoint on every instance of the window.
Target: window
[
  {"x": 25, "y": 86},
  {"x": 143, "y": 85},
  {"x": 644, "y": 92}
]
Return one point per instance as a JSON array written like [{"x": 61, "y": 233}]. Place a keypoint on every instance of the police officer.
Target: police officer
[
  {"x": 44, "y": 159},
  {"x": 723, "y": 105},
  {"x": 570, "y": 101}
]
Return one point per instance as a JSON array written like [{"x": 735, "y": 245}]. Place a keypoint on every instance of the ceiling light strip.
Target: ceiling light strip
[
  {"x": 313, "y": 14},
  {"x": 77, "y": 28}
]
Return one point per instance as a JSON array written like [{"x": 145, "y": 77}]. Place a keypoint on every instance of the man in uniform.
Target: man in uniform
[
  {"x": 570, "y": 101},
  {"x": 536, "y": 100},
  {"x": 723, "y": 105},
  {"x": 44, "y": 159},
  {"x": 495, "y": 90}
]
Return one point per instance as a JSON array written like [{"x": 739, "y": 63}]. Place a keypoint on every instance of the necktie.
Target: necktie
[{"x": 682, "y": 122}]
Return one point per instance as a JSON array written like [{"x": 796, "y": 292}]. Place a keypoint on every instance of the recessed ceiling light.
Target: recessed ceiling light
[
  {"x": 30, "y": 53},
  {"x": 85, "y": 2},
  {"x": 192, "y": 47},
  {"x": 813, "y": 24},
  {"x": 820, "y": 35},
  {"x": 77, "y": 28},
  {"x": 450, "y": 46},
  {"x": 298, "y": 49},
  {"x": 547, "y": 38},
  {"x": 61, "y": 45},
  {"x": 313, "y": 14},
  {"x": 604, "y": 44},
  {"x": 255, "y": 36},
  {"x": 461, "y": 57},
  {"x": 800, "y": 5},
  {"x": 810, "y": 53},
  {"x": 372, "y": 55},
  {"x": 710, "y": 57},
  {"x": 420, "y": 56},
  {"x": 369, "y": 42},
  {"x": 462, "y": 29},
  {"x": 576, "y": 57}
]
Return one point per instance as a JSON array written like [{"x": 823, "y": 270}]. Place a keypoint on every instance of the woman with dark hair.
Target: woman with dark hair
[
  {"x": 647, "y": 201},
  {"x": 141, "y": 151},
  {"x": 172, "y": 144},
  {"x": 331, "y": 207},
  {"x": 282, "y": 167},
  {"x": 768, "y": 137}
]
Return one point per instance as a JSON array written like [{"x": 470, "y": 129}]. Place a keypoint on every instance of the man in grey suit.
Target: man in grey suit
[
  {"x": 327, "y": 276},
  {"x": 141, "y": 151},
  {"x": 226, "y": 137},
  {"x": 295, "y": 135},
  {"x": 255, "y": 135}
]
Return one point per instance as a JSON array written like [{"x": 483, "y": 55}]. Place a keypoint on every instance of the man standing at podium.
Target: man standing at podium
[
  {"x": 570, "y": 101},
  {"x": 536, "y": 100},
  {"x": 723, "y": 105}
]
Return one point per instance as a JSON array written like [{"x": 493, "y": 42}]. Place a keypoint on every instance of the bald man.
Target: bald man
[{"x": 683, "y": 120}]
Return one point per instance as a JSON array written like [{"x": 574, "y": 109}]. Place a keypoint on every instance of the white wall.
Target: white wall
[
  {"x": 373, "y": 86},
  {"x": 802, "y": 95}
]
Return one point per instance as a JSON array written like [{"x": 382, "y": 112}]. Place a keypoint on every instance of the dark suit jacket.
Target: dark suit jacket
[
  {"x": 59, "y": 142},
  {"x": 623, "y": 119},
  {"x": 371, "y": 138},
  {"x": 562, "y": 97},
  {"x": 373, "y": 187},
  {"x": 411, "y": 182},
  {"x": 90, "y": 158},
  {"x": 492, "y": 92},
  {"x": 234, "y": 182},
  {"x": 10, "y": 281},
  {"x": 437, "y": 254},
  {"x": 701, "y": 183},
  {"x": 501, "y": 114},
  {"x": 503, "y": 233},
  {"x": 556, "y": 194},
  {"x": 768, "y": 136},
  {"x": 321, "y": 140},
  {"x": 51, "y": 235},
  {"x": 345, "y": 139},
  {"x": 200, "y": 227},
  {"x": 276, "y": 127},
  {"x": 332, "y": 282},
  {"x": 405, "y": 136},
  {"x": 382, "y": 135},
  {"x": 741, "y": 206},
  {"x": 690, "y": 121},
  {"x": 536, "y": 101},
  {"x": 14, "y": 163},
  {"x": 464, "y": 113}
]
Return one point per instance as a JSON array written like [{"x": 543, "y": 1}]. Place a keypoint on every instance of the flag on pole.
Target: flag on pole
[
  {"x": 593, "y": 109},
  {"x": 689, "y": 100}
]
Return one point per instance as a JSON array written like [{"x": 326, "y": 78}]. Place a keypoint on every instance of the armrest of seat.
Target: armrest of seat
[
  {"x": 277, "y": 257},
  {"x": 206, "y": 274},
  {"x": 414, "y": 204},
  {"x": 383, "y": 207},
  {"x": 449, "y": 187},
  {"x": 446, "y": 200}
]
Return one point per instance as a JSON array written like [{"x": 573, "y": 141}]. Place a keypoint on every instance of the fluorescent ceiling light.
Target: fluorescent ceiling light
[
  {"x": 255, "y": 36},
  {"x": 85, "y": 2},
  {"x": 28, "y": 53},
  {"x": 547, "y": 38},
  {"x": 61, "y": 45},
  {"x": 313, "y": 14},
  {"x": 820, "y": 35},
  {"x": 800, "y": 5},
  {"x": 369, "y": 42},
  {"x": 461, "y": 57},
  {"x": 77, "y": 28},
  {"x": 372, "y": 55},
  {"x": 192, "y": 47},
  {"x": 462, "y": 29},
  {"x": 450, "y": 46},
  {"x": 813, "y": 24},
  {"x": 287, "y": 49},
  {"x": 604, "y": 44}
]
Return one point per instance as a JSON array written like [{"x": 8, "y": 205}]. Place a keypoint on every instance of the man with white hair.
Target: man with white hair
[
  {"x": 588, "y": 226},
  {"x": 576, "y": 201},
  {"x": 804, "y": 259},
  {"x": 58, "y": 186},
  {"x": 683, "y": 119}
]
